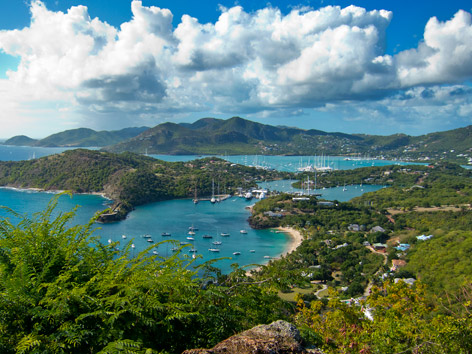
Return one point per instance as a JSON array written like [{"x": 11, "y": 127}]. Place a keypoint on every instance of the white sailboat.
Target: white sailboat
[
  {"x": 195, "y": 199},
  {"x": 213, "y": 199}
]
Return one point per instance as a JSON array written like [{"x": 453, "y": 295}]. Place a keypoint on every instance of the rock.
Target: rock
[{"x": 279, "y": 337}]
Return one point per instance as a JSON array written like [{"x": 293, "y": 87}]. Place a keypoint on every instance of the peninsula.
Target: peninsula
[{"x": 130, "y": 179}]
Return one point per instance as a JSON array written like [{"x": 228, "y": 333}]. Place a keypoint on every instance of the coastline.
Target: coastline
[
  {"x": 296, "y": 239},
  {"x": 53, "y": 191}
]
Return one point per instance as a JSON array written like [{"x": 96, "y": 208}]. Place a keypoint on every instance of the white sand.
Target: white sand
[{"x": 296, "y": 238}]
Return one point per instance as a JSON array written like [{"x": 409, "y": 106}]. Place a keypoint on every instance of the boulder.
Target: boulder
[{"x": 279, "y": 337}]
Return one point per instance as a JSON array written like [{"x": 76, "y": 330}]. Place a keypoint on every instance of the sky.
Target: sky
[{"x": 366, "y": 66}]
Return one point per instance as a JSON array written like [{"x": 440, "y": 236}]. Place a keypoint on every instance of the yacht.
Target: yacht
[
  {"x": 207, "y": 236},
  {"x": 243, "y": 232},
  {"x": 237, "y": 253},
  {"x": 217, "y": 243},
  {"x": 165, "y": 234},
  {"x": 214, "y": 249},
  {"x": 224, "y": 234},
  {"x": 190, "y": 238}
]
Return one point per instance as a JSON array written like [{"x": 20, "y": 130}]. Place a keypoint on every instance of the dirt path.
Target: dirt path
[
  {"x": 371, "y": 283},
  {"x": 324, "y": 287}
]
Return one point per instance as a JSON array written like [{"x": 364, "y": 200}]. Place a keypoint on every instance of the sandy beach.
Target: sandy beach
[{"x": 296, "y": 238}]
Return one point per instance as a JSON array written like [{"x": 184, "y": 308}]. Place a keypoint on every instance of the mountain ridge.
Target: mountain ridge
[
  {"x": 80, "y": 137},
  {"x": 240, "y": 136},
  {"x": 233, "y": 136}
]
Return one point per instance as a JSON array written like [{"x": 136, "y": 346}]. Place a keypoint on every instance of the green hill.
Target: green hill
[
  {"x": 20, "y": 140},
  {"x": 127, "y": 178},
  {"x": 83, "y": 137},
  {"x": 239, "y": 136},
  {"x": 233, "y": 136}
]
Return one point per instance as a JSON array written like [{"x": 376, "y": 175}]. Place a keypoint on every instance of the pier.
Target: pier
[{"x": 219, "y": 198}]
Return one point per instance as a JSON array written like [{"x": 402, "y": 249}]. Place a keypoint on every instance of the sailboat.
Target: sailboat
[
  {"x": 213, "y": 199},
  {"x": 195, "y": 199}
]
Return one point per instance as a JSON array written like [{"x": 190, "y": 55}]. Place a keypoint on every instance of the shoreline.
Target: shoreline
[
  {"x": 295, "y": 239},
  {"x": 54, "y": 191}
]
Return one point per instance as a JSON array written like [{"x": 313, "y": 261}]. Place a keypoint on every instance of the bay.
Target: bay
[
  {"x": 176, "y": 216},
  {"x": 341, "y": 194},
  {"x": 293, "y": 163}
]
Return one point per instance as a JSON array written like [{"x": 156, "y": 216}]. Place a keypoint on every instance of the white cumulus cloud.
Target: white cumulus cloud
[{"x": 244, "y": 63}]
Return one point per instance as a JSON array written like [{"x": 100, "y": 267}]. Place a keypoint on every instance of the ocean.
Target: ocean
[{"x": 176, "y": 216}]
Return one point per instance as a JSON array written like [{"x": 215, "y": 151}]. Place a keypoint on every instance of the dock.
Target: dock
[{"x": 219, "y": 198}]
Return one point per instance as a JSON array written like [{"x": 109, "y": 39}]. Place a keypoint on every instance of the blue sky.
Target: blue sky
[{"x": 376, "y": 67}]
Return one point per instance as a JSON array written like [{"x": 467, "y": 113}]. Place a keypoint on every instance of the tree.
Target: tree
[
  {"x": 395, "y": 318},
  {"x": 65, "y": 292}
]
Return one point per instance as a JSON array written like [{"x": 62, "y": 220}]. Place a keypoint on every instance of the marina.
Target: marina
[{"x": 165, "y": 218}]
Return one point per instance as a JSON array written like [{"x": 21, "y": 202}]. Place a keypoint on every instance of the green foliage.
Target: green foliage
[
  {"x": 238, "y": 136},
  {"x": 128, "y": 178},
  {"x": 430, "y": 259},
  {"x": 444, "y": 184},
  {"x": 64, "y": 292},
  {"x": 402, "y": 322}
]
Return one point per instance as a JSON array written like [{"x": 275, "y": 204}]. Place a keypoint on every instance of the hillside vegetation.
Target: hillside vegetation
[
  {"x": 81, "y": 137},
  {"x": 211, "y": 136},
  {"x": 64, "y": 292},
  {"x": 127, "y": 178},
  {"x": 239, "y": 136}
]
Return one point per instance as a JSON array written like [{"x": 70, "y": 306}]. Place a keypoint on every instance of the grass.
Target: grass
[{"x": 290, "y": 296}]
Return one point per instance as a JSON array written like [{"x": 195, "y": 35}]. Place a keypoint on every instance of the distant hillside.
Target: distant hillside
[
  {"x": 240, "y": 136},
  {"x": 81, "y": 137},
  {"x": 233, "y": 136},
  {"x": 20, "y": 140},
  {"x": 127, "y": 178}
]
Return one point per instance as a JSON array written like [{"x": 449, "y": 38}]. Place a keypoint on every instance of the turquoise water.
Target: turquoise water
[
  {"x": 18, "y": 153},
  {"x": 174, "y": 217},
  {"x": 177, "y": 216},
  {"x": 292, "y": 163},
  {"x": 342, "y": 194}
]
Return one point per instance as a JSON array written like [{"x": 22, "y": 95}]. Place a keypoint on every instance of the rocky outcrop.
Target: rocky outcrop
[{"x": 279, "y": 337}]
